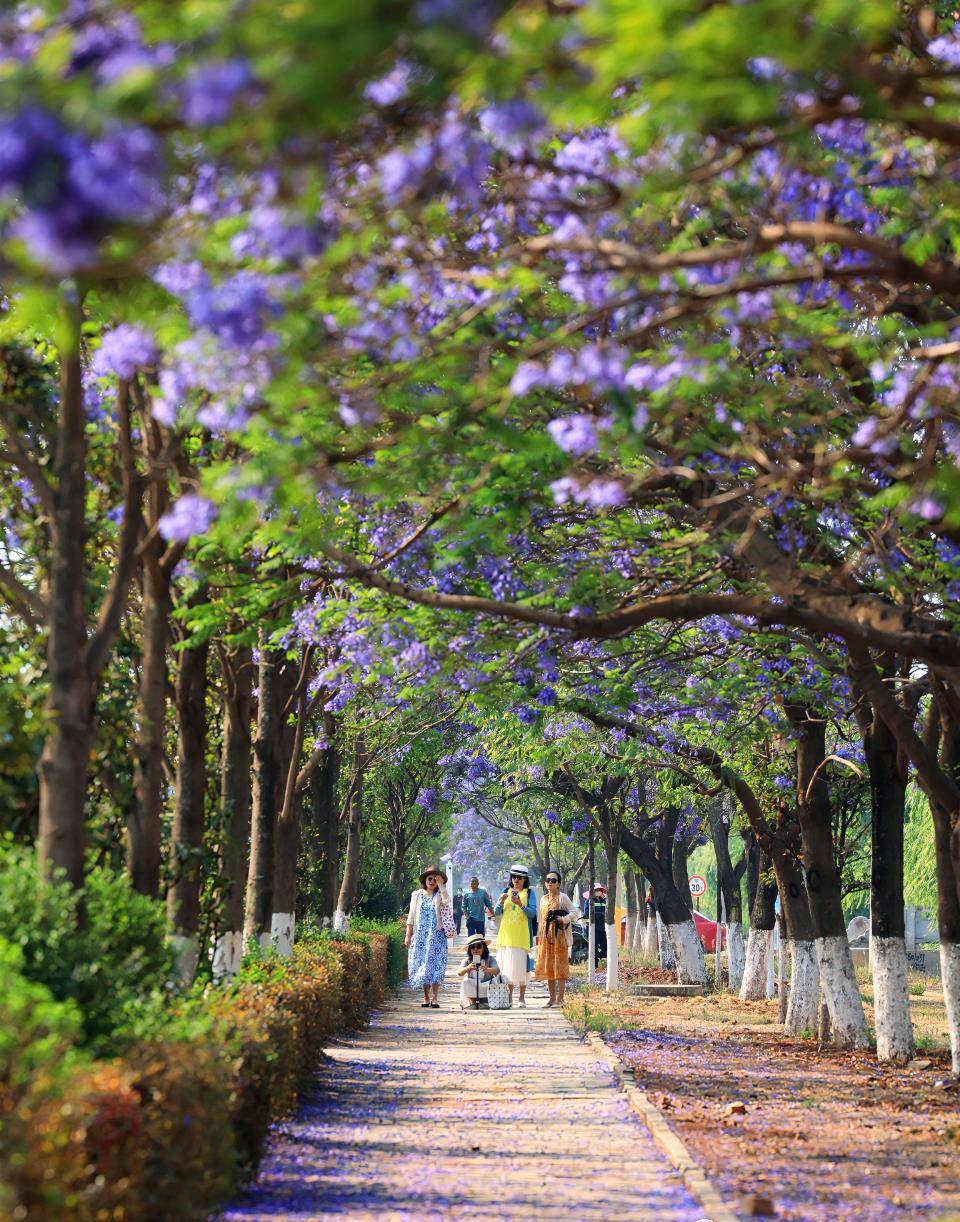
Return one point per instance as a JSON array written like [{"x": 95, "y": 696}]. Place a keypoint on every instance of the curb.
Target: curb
[{"x": 692, "y": 1174}]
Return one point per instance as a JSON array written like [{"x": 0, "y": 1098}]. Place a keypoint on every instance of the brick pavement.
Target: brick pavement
[{"x": 439, "y": 1114}]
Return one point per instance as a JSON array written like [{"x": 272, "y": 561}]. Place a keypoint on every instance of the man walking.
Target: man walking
[
  {"x": 477, "y": 905},
  {"x": 458, "y": 908}
]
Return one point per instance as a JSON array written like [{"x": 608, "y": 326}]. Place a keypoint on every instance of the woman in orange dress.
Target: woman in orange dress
[{"x": 555, "y": 938}]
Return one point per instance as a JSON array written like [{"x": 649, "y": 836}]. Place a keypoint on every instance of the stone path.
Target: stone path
[{"x": 440, "y": 1114}]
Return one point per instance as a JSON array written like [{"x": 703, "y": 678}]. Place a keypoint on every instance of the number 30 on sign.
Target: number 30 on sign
[{"x": 698, "y": 885}]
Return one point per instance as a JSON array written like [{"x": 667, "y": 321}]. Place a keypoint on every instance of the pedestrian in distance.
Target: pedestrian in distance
[
  {"x": 555, "y": 940},
  {"x": 477, "y": 906},
  {"x": 425, "y": 939},
  {"x": 458, "y": 908},
  {"x": 517, "y": 908},
  {"x": 476, "y": 972}
]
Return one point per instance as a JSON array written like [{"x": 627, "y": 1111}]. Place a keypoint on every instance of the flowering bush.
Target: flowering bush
[{"x": 185, "y": 1111}]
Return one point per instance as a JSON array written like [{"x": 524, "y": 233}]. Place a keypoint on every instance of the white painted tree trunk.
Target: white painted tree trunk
[
  {"x": 668, "y": 960},
  {"x": 770, "y": 990},
  {"x": 688, "y": 951},
  {"x": 613, "y": 958},
  {"x": 341, "y": 921},
  {"x": 950, "y": 971},
  {"x": 736, "y": 955},
  {"x": 637, "y": 934},
  {"x": 188, "y": 952},
  {"x": 650, "y": 938},
  {"x": 891, "y": 1000},
  {"x": 755, "y": 968},
  {"x": 228, "y": 955},
  {"x": 842, "y": 993},
  {"x": 281, "y": 932},
  {"x": 804, "y": 989}
]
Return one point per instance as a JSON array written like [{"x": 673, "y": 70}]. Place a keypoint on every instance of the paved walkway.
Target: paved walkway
[{"x": 439, "y": 1114}]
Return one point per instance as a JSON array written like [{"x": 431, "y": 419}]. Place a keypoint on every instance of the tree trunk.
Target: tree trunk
[
  {"x": 801, "y": 1018},
  {"x": 325, "y": 814},
  {"x": 287, "y": 840},
  {"x": 612, "y": 850},
  {"x": 630, "y": 886},
  {"x": 823, "y": 884},
  {"x": 888, "y": 788},
  {"x": 672, "y": 905},
  {"x": 234, "y": 805},
  {"x": 351, "y": 863},
  {"x": 728, "y": 885},
  {"x": 68, "y": 712},
  {"x": 144, "y": 821},
  {"x": 186, "y": 846},
  {"x": 269, "y": 775},
  {"x": 948, "y": 889},
  {"x": 760, "y": 939}
]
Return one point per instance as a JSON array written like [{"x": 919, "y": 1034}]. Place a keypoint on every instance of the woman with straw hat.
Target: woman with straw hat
[
  {"x": 476, "y": 972},
  {"x": 425, "y": 941},
  {"x": 517, "y": 909}
]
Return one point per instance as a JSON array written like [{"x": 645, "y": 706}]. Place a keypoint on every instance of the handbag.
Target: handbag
[
  {"x": 498, "y": 994},
  {"x": 446, "y": 920}
]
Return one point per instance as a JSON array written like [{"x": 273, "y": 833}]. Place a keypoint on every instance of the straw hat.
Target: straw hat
[{"x": 431, "y": 870}]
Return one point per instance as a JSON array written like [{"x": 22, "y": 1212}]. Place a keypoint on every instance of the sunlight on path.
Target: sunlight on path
[{"x": 441, "y": 1114}]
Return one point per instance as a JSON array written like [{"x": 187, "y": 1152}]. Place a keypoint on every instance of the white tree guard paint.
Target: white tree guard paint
[
  {"x": 804, "y": 1001},
  {"x": 688, "y": 950},
  {"x": 637, "y": 934},
  {"x": 341, "y": 921},
  {"x": 668, "y": 960},
  {"x": 770, "y": 990},
  {"x": 187, "y": 951},
  {"x": 613, "y": 958},
  {"x": 842, "y": 993},
  {"x": 891, "y": 1004},
  {"x": 227, "y": 954},
  {"x": 650, "y": 939},
  {"x": 950, "y": 972},
  {"x": 281, "y": 932},
  {"x": 736, "y": 955},
  {"x": 753, "y": 985}
]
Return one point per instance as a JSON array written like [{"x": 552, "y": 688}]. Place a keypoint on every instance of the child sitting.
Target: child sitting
[{"x": 476, "y": 971}]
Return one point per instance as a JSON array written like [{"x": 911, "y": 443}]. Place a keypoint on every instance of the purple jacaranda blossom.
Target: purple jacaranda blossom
[
  {"x": 191, "y": 515},
  {"x": 211, "y": 91},
  {"x": 928, "y": 508},
  {"x": 511, "y": 125},
  {"x": 124, "y": 351},
  {"x": 574, "y": 434},
  {"x": 402, "y": 171},
  {"x": 72, "y": 189},
  {"x": 428, "y": 798},
  {"x": 604, "y": 493},
  {"x": 764, "y": 68},
  {"x": 526, "y": 376},
  {"x": 590, "y": 153},
  {"x": 946, "y": 48},
  {"x": 389, "y": 89}
]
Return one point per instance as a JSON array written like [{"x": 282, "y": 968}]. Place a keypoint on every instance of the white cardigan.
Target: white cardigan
[{"x": 441, "y": 896}]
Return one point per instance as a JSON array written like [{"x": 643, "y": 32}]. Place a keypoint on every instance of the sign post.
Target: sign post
[{"x": 698, "y": 887}]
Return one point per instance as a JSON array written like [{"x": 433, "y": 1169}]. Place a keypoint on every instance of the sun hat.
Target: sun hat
[
  {"x": 431, "y": 870},
  {"x": 520, "y": 870},
  {"x": 474, "y": 939}
]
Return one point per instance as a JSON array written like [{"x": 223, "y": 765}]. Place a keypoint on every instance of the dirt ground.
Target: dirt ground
[{"x": 820, "y": 1135}]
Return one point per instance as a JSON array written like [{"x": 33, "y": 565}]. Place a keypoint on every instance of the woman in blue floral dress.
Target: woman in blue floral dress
[{"x": 426, "y": 942}]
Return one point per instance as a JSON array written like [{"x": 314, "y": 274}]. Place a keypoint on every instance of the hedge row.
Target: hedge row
[{"x": 174, "y": 1125}]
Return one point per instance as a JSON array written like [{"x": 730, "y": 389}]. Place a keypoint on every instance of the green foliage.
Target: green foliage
[
  {"x": 919, "y": 857},
  {"x": 393, "y": 931},
  {"x": 378, "y": 900},
  {"x": 103, "y": 948}
]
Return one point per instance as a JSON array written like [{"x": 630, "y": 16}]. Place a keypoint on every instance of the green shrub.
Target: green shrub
[
  {"x": 393, "y": 931},
  {"x": 114, "y": 955}
]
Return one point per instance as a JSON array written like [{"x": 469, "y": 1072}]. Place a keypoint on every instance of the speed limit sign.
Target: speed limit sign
[{"x": 698, "y": 885}]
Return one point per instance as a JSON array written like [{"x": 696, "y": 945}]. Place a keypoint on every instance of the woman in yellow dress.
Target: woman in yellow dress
[
  {"x": 555, "y": 938},
  {"x": 517, "y": 907}
]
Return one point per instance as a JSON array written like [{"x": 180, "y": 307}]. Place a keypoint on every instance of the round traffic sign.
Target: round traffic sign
[{"x": 698, "y": 885}]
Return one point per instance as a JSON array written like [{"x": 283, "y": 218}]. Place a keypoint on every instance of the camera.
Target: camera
[{"x": 554, "y": 916}]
